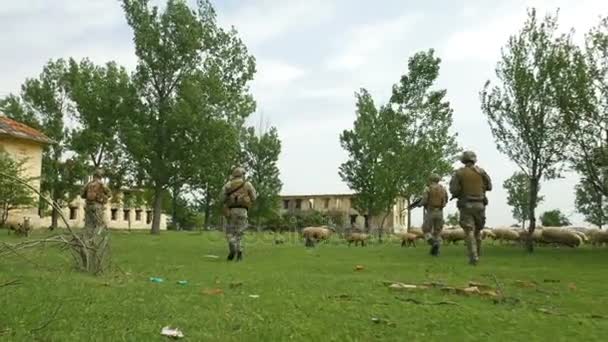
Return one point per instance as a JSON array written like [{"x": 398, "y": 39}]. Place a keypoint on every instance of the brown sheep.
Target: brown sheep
[
  {"x": 408, "y": 239},
  {"x": 357, "y": 238},
  {"x": 452, "y": 235},
  {"x": 316, "y": 234}
]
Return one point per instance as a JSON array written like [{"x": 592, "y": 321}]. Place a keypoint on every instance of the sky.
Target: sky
[{"x": 312, "y": 56}]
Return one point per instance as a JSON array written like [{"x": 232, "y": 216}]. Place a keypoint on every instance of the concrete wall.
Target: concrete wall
[
  {"x": 396, "y": 220},
  {"x": 31, "y": 152},
  {"x": 117, "y": 217}
]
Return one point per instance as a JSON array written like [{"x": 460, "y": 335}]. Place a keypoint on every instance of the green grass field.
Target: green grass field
[{"x": 304, "y": 294}]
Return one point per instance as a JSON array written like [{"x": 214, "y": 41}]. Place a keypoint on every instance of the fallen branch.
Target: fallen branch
[
  {"x": 11, "y": 283},
  {"x": 418, "y": 302},
  {"x": 49, "y": 321}
]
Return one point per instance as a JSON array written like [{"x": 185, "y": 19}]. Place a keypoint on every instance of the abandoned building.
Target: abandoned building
[{"x": 395, "y": 221}]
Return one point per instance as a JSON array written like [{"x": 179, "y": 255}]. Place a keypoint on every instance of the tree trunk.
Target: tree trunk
[
  {"x": 174, "y": 199},
  {"x": 409, "y": 215},
  {"x": 381, "y": 230},
  {"x": 158, "y": 207},
  {"x": 533, "y": 197},
  {"x": 54, "y": 219},
  {"x": 207, "y": 213}
]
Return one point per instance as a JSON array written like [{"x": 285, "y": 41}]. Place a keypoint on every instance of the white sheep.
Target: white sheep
[{"x": 561, "y": 236}]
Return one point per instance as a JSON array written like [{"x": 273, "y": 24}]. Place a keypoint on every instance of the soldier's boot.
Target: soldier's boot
[
  {"x": 239, "y": 256},
  {"x": 471, "y": 248},
  {"x": 232, "y": 251},
  {"x": 435, "y": 249}
]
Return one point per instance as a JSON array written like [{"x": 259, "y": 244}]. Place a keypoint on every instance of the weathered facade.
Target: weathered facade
[
  {"x": 396, "y": 220},
  {"x": 22, "y": 142}
]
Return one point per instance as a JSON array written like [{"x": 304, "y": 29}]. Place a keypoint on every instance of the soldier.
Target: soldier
[
  {"x": 96, "y": 195},
  {"x": 237, "y": 196},
  {"x": 433, "y": 200},
  {"x": 469, "y": 185}
]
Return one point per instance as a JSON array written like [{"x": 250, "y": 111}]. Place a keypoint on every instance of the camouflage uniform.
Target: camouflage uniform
[
  {"x": 433, "y": 200},
  {"x": 237, "y": 195},
  {"x": 469, "y": 185},
  {"x": 96, "y": 195}
]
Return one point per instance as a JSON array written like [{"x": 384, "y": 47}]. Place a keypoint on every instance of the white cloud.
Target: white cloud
[
  {"x": 262, "y": 20},
  {"x": 276, "y": 73},
  {"x": 364, "y": 42},
  {"x": 484, "y": 40}
]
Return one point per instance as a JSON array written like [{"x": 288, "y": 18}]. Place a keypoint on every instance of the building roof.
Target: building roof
[
  {"x": 318, "y": 195},
  {"x": 18, "y": 130}
]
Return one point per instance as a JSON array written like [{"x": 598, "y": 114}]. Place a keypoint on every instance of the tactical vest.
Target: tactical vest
[
  {"x": 437, "y": 197},
  {"x": 471, "y": 183},
  {"x": 95, "y": 192},
  {"x": 238, "y": 198}
]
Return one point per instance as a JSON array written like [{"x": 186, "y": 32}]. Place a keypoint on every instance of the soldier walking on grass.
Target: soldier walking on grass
[
  {"x": 434, "y": 199},
  {"x": 469, "y": 185},
  {"x": 96, "y": 195},
  {"x": 237, "y": 197}
]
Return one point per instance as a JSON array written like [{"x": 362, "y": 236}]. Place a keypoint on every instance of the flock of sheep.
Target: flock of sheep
[{"x": 556, "y": 236}]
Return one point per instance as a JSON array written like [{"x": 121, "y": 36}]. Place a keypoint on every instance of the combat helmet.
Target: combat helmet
[
  {"x": 468, "y": 156},
  {"x": 98, "y": 173},
  {"x": 238, "y": 172},
  {"x": 434, "y": 178}
]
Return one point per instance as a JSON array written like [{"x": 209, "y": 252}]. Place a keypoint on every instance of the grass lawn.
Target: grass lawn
[{"x": 304, "y": 294}]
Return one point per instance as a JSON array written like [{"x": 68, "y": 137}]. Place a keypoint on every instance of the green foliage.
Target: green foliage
[
  {"x": 424, "y": 120},
  {"x": 372, "y": 168},
  {"x": 524, "y": 118},
  {"x": 191, "y": 78},
  {"x": 102, "y": 96},
  {"x": 554, "y": 218},
  {"x": 260, "y": 156},
  {"x": 13, "y": 194},
  {"x": 393, "y": 149},
  {"x": 453, "y": 219},
  {"x": 591, "y": 203},
  {"x": 583, "y": 96},
  {"x": 518, "y": 196},
  {"x": 44, "y": 103}
]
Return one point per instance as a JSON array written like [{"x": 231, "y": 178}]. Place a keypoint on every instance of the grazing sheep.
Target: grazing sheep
[
  {"x": 580, "y": 234},
  {"x": 316, "y": 234},
  {"x": 561, "y": 236},
  {"x": 598, "y": 237},
  {"x": 357, "y": 238},
  {"x": 488, "y": 233},
  {"x": 452, "y": 235},
  {"x": 506, "y": 234},
  {"x": 408, "y": 239},
  {"x": 536, "y": 236},
  {"x": 418, "y": 232}
]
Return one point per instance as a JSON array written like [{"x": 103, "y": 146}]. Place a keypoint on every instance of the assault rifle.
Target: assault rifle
[{"x": 415, "y": 204}]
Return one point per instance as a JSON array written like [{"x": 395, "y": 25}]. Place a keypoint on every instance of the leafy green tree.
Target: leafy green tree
[
  {"x": 453, "y": 219},
  {"x": 584, "y": 98},
  {"x": 424, "y": 120},
  {"x": 44, "y": 102},
  {"x": 554, "y": 218},
  {"x": 102, "y": 95},
  {"x": 518, "y": 196},
  {"x": 591, "y": 203},
  {"x": 524, "y": 118},
  {"x": 189, "y": 70},
  {"x": 371, "y": 170},
  {"x": 13, "y": 195},
  {"x": 261, "y": 152}
]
